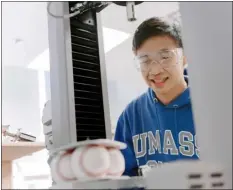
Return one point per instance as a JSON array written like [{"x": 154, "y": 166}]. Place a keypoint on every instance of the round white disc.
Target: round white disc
[
  {"x": 117, "y": 162},
  {"x": 95, "y": 161}
]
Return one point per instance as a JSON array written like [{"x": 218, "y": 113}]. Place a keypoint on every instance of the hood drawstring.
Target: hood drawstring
[
  {"x": 155, "y": 100},
  {"x": 175, "y": 106},
  {"x": 175, "y": 118}
]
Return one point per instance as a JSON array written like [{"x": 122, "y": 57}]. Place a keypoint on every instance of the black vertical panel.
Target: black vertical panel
[{"x": 88, "y": 95}]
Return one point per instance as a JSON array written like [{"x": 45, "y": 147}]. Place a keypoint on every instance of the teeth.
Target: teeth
[{"x": 159, "y": 81}]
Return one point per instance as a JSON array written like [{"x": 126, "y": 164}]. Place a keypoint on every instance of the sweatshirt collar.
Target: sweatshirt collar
[{"x": 181, "y": 100}]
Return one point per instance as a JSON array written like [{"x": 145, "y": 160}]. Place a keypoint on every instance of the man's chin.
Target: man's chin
[{"x": 160, "y": 90}]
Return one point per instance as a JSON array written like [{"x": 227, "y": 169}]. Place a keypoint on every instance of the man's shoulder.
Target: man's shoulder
[{"x": 133, "y": 108}]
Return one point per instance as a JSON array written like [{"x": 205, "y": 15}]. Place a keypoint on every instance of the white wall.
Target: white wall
[
  {"x": 25, "y": 21},
  {"x": 20, "y": 99},
  {"x": 128, "y": 83}
]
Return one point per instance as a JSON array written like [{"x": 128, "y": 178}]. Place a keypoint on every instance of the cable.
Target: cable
[
  {"x": 80, "y": 9},
  {"x": 60, "y": 16},
  {"x": 48, "y": 10}
]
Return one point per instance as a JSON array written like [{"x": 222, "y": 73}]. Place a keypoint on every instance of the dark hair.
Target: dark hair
[{"x": 156, "y": 27}]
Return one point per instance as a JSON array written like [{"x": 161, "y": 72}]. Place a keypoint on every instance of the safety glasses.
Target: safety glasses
[{"x": 165, "y": 58}]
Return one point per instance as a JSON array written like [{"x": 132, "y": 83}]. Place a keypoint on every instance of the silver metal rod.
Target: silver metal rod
[{"x": 130, "y": 11}]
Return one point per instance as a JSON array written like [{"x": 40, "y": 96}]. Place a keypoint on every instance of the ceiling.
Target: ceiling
[
  {"x": 24, "y": 32},
  {"x": 25, "y": 29}
]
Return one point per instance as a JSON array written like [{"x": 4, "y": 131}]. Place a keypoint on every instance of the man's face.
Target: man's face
[{"x": 161, "y": 63}]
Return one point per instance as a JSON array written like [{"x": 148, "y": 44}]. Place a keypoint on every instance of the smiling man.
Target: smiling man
[{"x": 158, "y": 126}]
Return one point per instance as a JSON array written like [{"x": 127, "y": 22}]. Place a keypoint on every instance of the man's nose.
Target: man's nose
[{"x": 155, "y": 68}]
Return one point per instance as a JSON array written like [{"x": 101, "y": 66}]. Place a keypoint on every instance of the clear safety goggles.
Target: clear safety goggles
[{"x": 165, "y": 58}]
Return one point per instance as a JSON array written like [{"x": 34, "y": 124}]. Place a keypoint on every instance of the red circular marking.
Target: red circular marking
[
  {"x": 89, "y": 173},
  {"x": 116, "y": 173},
  {"x": 58, "y": 168}
]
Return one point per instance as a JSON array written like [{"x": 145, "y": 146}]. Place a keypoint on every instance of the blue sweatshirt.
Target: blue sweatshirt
[{"x": 156, "y": 133}]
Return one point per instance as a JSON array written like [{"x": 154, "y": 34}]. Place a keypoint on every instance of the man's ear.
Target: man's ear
[
  {"x": 184, "y": 61},
  {"x": 134, "y": 52}
]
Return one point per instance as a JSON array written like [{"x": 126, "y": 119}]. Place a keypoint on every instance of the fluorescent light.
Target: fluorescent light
[{"x": 113, "y": 38}]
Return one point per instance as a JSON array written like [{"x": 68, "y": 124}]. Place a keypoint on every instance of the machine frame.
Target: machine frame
[{"x": 61, "y": 71}]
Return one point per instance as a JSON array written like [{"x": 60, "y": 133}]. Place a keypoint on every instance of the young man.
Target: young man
[{"x": 158, "y": 126}]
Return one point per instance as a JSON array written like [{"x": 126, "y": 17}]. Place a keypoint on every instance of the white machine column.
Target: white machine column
[{"x": 207, "y": 36}]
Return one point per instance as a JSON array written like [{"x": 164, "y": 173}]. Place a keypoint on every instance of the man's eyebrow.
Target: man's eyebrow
[{"x": 164, "y": 49}]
